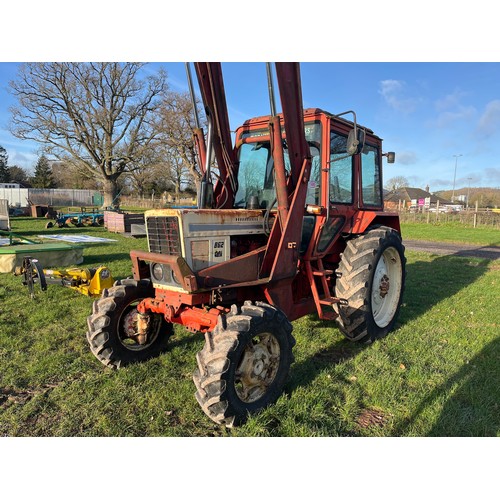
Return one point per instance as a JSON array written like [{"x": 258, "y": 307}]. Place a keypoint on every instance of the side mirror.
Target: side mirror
[
  {"x": 356, "y": 137},
  {"x": 352, "y": 142},
  {"x": 391, "y": 156},
  {"x": 361, "y": 140},
  {"x": 355, "y": 141}
]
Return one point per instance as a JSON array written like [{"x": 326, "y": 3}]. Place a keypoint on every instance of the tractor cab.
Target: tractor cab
[
  {"x": 330, "y": 140},
  {"x": 345, "y": 173}
]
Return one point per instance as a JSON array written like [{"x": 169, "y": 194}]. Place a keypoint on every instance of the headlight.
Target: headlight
[
  {"x": 157, "y": 272},
  {"x": 105, "y": 274},
  {"x": 175, "y": 279}
]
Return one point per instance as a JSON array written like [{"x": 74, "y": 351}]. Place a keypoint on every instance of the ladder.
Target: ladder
[{"x": 322, "y": 298}]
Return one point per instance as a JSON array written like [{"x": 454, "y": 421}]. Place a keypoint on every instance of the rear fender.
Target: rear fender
[{"x": 364, "y": 220}]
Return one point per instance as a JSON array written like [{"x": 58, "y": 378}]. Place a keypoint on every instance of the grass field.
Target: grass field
[
  {"x": 435, "y": 375},
  {"x": 451, "y": 232}
]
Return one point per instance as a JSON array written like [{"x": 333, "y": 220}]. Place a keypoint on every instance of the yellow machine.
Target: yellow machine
[{"x": 87, "y": 281}]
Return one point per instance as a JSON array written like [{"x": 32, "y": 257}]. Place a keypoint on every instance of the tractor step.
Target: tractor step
[
  {"x": 325, "y": 272},
  {"x": 329, "y": 301},
  {"x": 323, "y": 304}
]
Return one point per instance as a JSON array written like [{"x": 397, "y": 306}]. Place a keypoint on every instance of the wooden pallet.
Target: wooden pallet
[{"x": 117, "y": 222}]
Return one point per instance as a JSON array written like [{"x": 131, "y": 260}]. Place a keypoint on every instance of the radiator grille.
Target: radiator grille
[{"x": 163, "y": 235}]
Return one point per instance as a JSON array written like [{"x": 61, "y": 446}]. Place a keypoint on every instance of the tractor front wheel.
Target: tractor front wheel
[
  {"x": 112, "y": 328},
  {"x": 244, "y": 364},
  {"x": 372, "y": 270}
]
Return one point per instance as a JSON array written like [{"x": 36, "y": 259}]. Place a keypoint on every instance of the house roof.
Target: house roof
[{"x": 409, "y": 193}]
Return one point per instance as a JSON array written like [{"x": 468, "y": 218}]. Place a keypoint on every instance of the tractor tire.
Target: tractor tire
[
  {"x": 112, "y": 326},
  {"x": 244, "y": 364},
  {"x": 49, "y": 225},
  {"x": 372, "y": 277}
]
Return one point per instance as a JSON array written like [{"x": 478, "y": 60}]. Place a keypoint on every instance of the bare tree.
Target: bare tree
[
  {"x": 396, "y": 182},
  {"x": 99, "y": 116},
  {"x": 173, "y": 164},
  {"x": 68, "y": 175},
  {"x": 153, "y": 173},
  {"x": 176, "y": 121}
]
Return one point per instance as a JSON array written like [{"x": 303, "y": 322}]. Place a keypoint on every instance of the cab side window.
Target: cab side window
[
  {"x": 370, "y": 174},
  {"x": 340, "y": 170},
  {"x": 314, "y": 185}
]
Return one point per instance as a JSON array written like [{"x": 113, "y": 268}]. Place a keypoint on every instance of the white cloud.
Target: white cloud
[
  {"x": 393, "y": 92},
  {"x": 487, "y": 177},
  {"x": 450, "y": 101},
  {"x": 451, "y": 110},
  {"x": 462, "y": 113},
  {"x": 440, "y": 183},
  {"x": 489, "y": 122}
]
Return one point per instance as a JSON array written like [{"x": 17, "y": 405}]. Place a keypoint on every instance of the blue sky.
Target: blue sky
[{"x": 425, "y": 112}]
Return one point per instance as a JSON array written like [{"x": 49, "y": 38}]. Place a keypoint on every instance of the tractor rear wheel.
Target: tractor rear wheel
[
  {"x": 244, "y": 364},
  {"x": 112, "y": 326},
  {"x": 372, "y": 270}
]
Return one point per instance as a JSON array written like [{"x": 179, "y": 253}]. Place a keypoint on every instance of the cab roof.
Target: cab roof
[{"x": 308, "y": 113}]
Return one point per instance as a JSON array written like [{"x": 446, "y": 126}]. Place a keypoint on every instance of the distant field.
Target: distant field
[{"x": 435, "y": 375}]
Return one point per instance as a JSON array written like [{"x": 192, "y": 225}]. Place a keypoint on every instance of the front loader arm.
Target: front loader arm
[
  {"x": 212, "y": 91},
  {"x": 282, "y": 252},
  {"x": 288, "y": 75}
]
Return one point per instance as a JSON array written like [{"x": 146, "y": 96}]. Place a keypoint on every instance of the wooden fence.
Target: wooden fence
[
  {"x": 158, "y": 202},
  {"x": 469, "y": 218}
]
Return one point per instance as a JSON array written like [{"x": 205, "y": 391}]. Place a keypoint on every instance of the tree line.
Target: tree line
[
  {"x": 107, "y": 126},
  {"x": 43, "y": 176}
]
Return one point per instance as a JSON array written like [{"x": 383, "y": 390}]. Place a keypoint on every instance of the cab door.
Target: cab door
[{"x": 337, "y": 189}]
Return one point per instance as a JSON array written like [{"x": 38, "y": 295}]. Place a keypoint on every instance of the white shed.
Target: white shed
[{"x": 4, "y": 215}]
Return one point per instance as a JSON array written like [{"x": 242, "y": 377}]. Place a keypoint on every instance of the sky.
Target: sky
[{"x": 435, "y": 115}]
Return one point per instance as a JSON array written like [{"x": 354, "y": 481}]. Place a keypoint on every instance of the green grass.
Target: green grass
[
  {"x": 451, "y": 232},
  {"x": 435, "y": 375}
]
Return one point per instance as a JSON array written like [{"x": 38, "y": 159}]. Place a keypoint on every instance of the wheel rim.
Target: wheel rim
[
  {"x": 127, "y": 329},
  {"x": 386, "y": 288},
  {"x": 257, "y": 368}
]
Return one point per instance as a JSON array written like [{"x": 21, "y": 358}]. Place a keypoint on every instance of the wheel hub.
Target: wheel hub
[
  {"x": 130, "y": 324},
  {"x": 135, "y": 327},
  {"x": 384, "y": 285},
  {"x": 257, "y": 368}
]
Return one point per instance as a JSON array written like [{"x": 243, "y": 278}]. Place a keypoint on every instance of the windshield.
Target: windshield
[{"x": 256, "y": 171}]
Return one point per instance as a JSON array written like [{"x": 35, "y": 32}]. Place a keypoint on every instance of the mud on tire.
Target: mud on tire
[
  {"x": 372, "y": 280},
  {"x": 112, "y": 322},
  {"x": 244, "y": 364}
]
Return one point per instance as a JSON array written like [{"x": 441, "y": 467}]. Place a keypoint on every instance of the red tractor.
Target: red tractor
[{"x": 293, "y": 225}]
